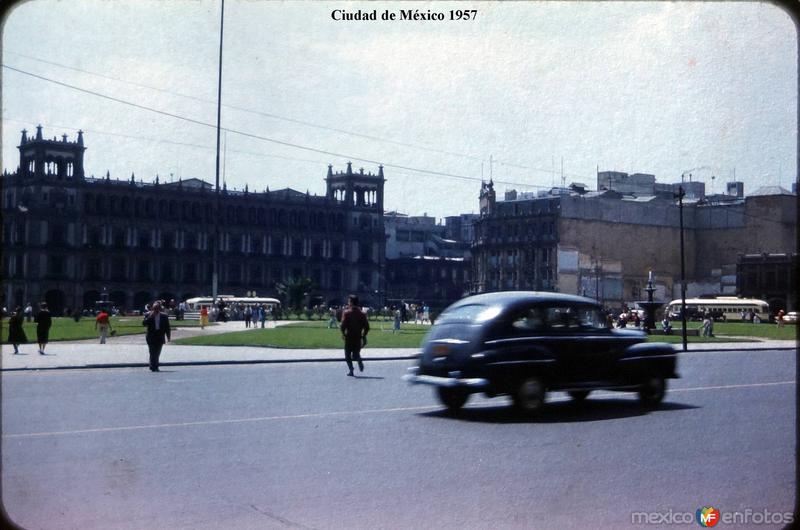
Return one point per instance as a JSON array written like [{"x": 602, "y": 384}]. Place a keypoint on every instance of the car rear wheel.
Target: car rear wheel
[
  {"x": 452, "y": 398},
  {"x": 529, "y": 396},
  {"x": 652, "y": 392},
  {"x": 578, "y": 395}
]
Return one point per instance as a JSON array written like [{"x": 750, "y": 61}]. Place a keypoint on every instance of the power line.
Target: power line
[
  {"x": 171, "y": 142},
  {"x": 264, "y": 138},
  {"x": 290, "y": 120},
  {"x": 243, "y": 109}
]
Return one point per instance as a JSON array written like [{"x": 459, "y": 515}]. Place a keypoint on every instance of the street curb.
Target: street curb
[
  {"x": 307, "y": 360},
  {"x": 201, "y": 363},
  {"x": 788, "y": 348}
]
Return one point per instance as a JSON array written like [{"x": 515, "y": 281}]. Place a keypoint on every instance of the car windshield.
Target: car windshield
[{"x": 468, "y": 314}]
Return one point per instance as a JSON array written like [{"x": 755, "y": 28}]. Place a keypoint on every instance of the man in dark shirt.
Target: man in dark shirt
[
  {"x": 157, "y": 333},
  {"x": 355, "y": 327}
]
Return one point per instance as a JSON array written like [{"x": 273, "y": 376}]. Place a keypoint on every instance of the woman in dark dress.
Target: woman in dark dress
[
  {"x": 16, "y": 335},
  {"x": 43, "y": 322}
]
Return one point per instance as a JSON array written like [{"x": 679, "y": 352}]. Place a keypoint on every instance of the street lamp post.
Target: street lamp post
[
  {"x": 215, "y": 265},
  {"x": 680, "y": 195}
]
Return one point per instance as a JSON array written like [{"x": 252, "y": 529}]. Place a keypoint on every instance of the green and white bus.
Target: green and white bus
[{"x": 721, "y": 308}]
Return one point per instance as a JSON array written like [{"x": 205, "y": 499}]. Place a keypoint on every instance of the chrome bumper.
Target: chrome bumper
[{"x": 453, "y": 381}]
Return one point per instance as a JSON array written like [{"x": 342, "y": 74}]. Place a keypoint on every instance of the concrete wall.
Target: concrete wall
[
  {"x": 633, "y": 249},
  {"x": 769, "y": 225}
]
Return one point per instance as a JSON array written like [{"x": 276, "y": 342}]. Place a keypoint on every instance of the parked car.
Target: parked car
[
  {"x": 790, "y": 317},
  {"x": 525, "y": 344}
]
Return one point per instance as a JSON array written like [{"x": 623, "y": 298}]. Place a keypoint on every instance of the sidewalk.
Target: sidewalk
[{"x": 131, "y": 351}]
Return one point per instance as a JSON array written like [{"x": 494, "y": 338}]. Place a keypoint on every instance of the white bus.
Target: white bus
[
  {"x": 195, "y": 304},
  {"x": 720, "y": 308}
]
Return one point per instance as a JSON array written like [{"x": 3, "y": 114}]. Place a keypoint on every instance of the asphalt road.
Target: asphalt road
[{"x": 304, "y": 446}]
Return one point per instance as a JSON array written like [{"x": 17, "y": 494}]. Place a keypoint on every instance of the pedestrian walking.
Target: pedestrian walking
[
  {"x": 248, "y": 316},
  {"x": 779, "y": 318},
  {"x": 102, "y": 323},
  {"x": 203, "y": 317},
  {"x": 262, "y": 314},
  {"x": 397, "y": 318},
  {"x": 16, "y": 335},
  {"x": 354, "y": 327},
  {"x": 28, "y": 312},
  {"x": 707, "y": 325},
  {"x": 332, "y": 318},
  {"x": 43, "y": 321},
  {"x": 158, "y": 332}
]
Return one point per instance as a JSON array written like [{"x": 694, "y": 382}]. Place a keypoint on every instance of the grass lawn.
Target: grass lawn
[
  {"x": 65, "y": 328},
  {"x": 732, "y": 332},
  {"x": 313, "y": 334}
]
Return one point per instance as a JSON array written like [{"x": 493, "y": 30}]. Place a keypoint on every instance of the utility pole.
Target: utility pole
[
  {"x": 680, "y": 195},
  {"x": 217, "y": 208}
]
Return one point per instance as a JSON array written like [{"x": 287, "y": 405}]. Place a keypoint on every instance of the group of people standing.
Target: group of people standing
[
  {"x": 43, "y": 319},
  {"x": 255, "y": 315}
]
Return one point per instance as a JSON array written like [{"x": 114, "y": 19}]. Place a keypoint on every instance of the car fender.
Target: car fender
[{"x": 649, "y": 358}]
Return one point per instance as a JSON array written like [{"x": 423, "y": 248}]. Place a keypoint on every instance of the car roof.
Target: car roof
[{"x": 514, "y": 298}]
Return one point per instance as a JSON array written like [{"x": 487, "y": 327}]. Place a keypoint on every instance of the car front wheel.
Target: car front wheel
[
  {"x": 652, "y": 392},
  {"x": 452, "y": 398},
  {"x": 529, "y": 396}
]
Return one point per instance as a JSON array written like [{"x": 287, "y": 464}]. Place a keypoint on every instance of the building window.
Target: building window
[
  {"x": 189, "y": 272},
  {"x": 144, "y": 239},
  {"x": 166, "y": 272},
  {"x": 255, "y": 275},
  {"x": 234, "y": 273},
  {"x": 55, "y": 265},
  {"x": 93, "y": 270},
  {"x": 57, "y": 235},
  {"x": 143, "y": 271},
  {"x": 118, "y": 272},
  {"x": 119, "y": 238}
]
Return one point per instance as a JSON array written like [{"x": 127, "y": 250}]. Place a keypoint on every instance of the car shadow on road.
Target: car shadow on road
[
  {"x": 559, "y": 412},
  {"x": 368, "y": 377}
]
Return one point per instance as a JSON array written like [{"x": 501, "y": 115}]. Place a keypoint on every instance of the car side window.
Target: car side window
[
  {"x": 531, "y": 319},
  {"x": 563, "y": 318}
]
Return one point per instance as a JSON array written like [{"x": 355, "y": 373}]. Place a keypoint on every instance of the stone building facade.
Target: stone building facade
[
  {"x": 425, "y": 261},
  {"x": 66, "y": 237},
  {"x": 603, "y": 244}
]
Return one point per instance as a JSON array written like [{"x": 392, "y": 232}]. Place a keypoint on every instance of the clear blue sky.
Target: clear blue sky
[{"x": 640, "y": 87}]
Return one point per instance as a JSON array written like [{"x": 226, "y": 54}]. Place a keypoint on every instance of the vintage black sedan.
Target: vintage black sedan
[{"x": 525, "y": 344}]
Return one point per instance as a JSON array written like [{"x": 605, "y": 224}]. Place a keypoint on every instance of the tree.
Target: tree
[{"x": 294, "y": 292}]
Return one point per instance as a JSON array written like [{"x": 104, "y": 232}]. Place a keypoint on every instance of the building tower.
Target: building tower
[
  {"x": 50, "y": 159},
  {"x": 361, "y": 190}
]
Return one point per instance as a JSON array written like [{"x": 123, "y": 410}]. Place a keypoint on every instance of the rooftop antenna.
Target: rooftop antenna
[
  {"x": 563, "y": 178},
  {"x": 553, "y": 174},
  {"x": 490, "y": 168}
]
